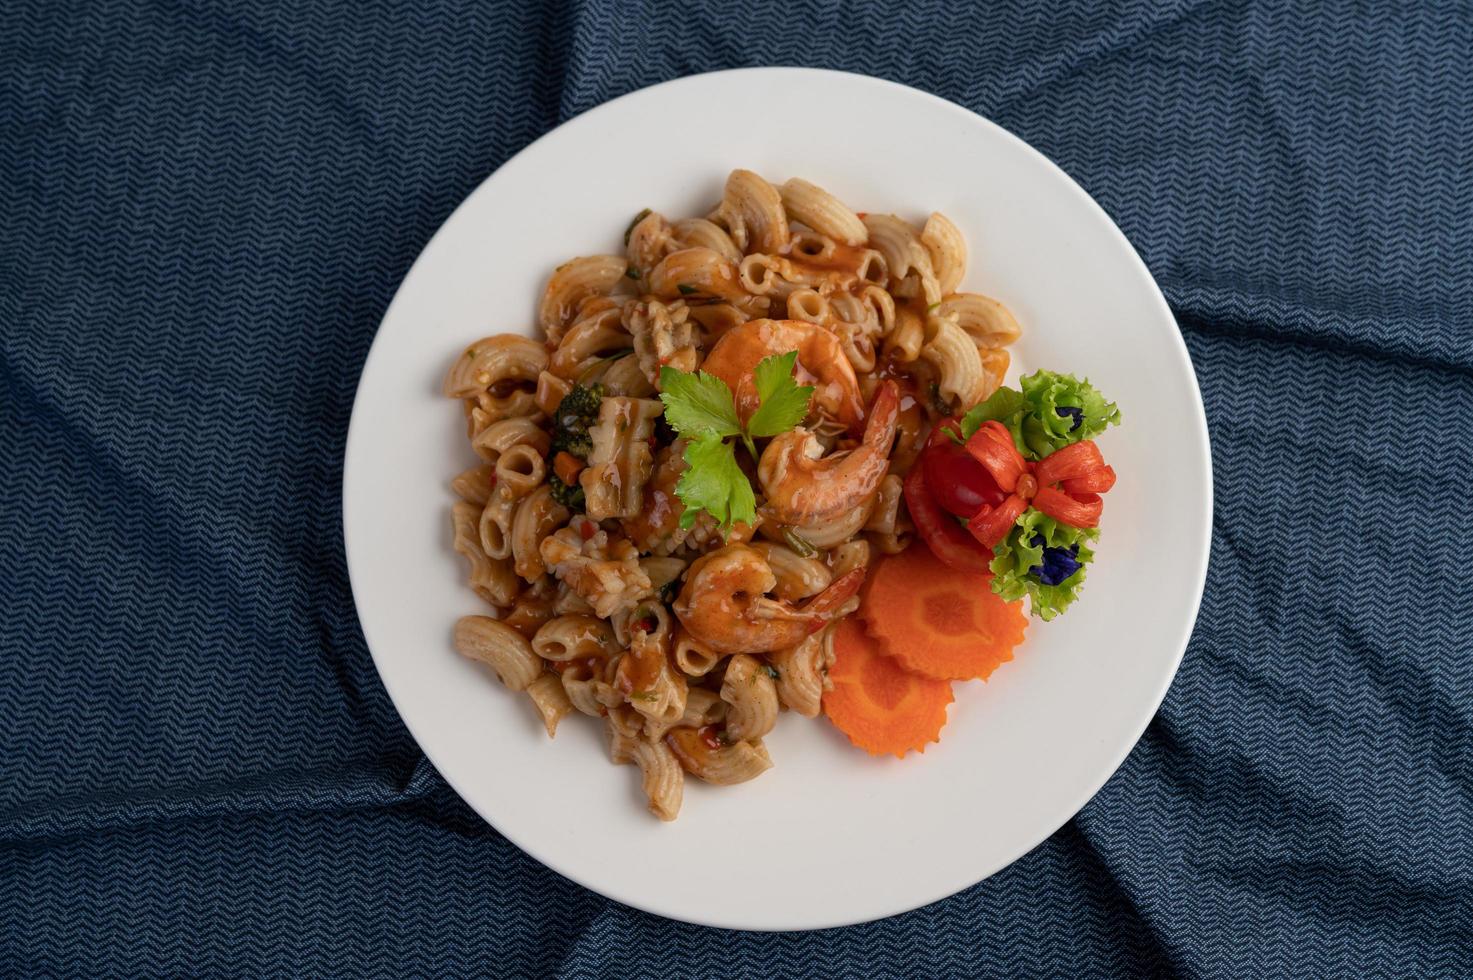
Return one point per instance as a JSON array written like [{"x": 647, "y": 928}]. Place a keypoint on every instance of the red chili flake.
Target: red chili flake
[{"x": 588, "y": 529}]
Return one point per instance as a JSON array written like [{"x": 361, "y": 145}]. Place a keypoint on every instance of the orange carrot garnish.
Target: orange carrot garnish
[
  {"x": 881, "y": 706},
  {"x": 937, "y": 621}
]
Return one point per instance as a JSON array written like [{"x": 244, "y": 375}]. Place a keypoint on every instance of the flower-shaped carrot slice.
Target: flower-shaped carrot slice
[
  {"x": 939, "y": 622},
  {"x": 881, "y": 706}
]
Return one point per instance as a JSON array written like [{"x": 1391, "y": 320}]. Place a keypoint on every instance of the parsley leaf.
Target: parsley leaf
[
  {"x": 713, "y": 482},
  {"x": 784, "y": 401},
  {"x": 698, "y": 404},
  {"x": 702, "y": 409}
]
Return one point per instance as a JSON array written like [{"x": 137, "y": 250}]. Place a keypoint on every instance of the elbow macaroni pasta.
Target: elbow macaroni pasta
[
  {"x": 573, "y": 283},
  {"x": 904, "y": 253},
  {"x": 536, "y": 517},
  {"x": 985, "y": 320},
  {"x": 550, "y": 700},
  {"x": 474, "y": 485},
  {"x": 957, "y": 363},
  {"x": 724, "y": 764},
  {"x": 499, "y": 647},
  {"x": 621, "y": 461},
  {"x": 948, "y": 251},
  {"x": 700, "y": 233},
  {"x": 822, "y": 211},
  {"x": 750, "y": 696},
  {"x": 802, "y": 673},
  {"x": 604, "y": 593},
  {"x": 753, "y": 212},
  {"x": 490, "y": 578}
]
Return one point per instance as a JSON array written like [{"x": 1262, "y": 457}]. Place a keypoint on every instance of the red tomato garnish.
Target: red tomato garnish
[
  {"x": 1071, "y": 462},
  {"x": 991, "y": 524},
  {"x": 957, "y": 482},
  {"x": 1096, "y": 481},
  {"x": 939, "y": 433},
  {"x": 1076, "y": 510},
  {"x": 947, "y": 539},
  {"x": 992, "y": 446}
]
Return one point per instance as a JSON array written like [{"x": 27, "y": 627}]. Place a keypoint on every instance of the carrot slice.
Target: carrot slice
[
  {"x": 882, "y": 707},
  {"x": 939, "y": 622}
]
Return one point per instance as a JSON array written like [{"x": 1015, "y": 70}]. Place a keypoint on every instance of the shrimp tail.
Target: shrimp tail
[
  {"x": 879, "y": 430},
  {"x": 827, "y": 603},
  {"x": 851, "y": 410}
]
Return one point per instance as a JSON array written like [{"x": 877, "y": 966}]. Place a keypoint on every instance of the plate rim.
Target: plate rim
[{"x": 1203, "y": 464}]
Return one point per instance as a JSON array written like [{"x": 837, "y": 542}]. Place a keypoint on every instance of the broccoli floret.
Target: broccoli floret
[
  {"x": 570, "y": 495},
  {"x": 664, "y": 434},
  {"x": 575, "y": 415}
]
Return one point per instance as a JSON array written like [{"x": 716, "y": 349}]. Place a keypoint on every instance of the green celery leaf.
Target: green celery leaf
[
  {"x": 698, "y": 404},
  {"x": 713, "y": 482},
  {"x": 784, "y": 401}
]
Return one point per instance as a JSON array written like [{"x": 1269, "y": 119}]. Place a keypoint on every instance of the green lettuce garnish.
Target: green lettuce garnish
[
  {"x": 1040, "y": 557},
  {"x": 1050, "y": 422},
  {"x": 1019, "y": 567},
  {"x": 1005, "y": 405},
  {"x": 1050, "y": 412}
]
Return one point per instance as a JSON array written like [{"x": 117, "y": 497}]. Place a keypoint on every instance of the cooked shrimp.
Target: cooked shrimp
[
  {"x": 804, "y": 487},
  {"x": 821, "y": 363},
  {"x": 725, "y": 605}
]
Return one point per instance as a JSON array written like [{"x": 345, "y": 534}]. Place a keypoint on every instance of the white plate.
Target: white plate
[{"x": 830, "y": 836}]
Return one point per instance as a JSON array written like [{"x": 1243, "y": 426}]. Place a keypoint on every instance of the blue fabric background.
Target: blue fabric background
[{"x": 205, "y": 209}]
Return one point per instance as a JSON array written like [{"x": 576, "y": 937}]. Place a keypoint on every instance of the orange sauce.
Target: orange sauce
[
  {"x": 845, "y": 258},
  {"x": 594, "y": 665},
  {"x": 639, "y": 669},
  {"x": 528, "y": 615},
  {"x": 911, "y": 426}
]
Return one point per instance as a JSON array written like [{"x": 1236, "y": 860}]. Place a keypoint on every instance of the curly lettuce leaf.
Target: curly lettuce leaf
[
  {"x": 1061, "y": 410},
  {"x": 1004, "y": 405},
  {"x": 1021, "y": 567}
]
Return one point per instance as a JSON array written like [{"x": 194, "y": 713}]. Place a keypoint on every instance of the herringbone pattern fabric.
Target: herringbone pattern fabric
[{"x": 204, "y": 210}]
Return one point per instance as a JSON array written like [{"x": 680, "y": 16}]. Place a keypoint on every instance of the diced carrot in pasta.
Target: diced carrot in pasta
[
  {"x": 567, "y": 467},
  {"x": 937, "y": 621},
  {"x": 882, "y": 707}
]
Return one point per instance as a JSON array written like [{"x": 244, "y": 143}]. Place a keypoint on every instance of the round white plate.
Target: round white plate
[{"x": 830, "y": 836}]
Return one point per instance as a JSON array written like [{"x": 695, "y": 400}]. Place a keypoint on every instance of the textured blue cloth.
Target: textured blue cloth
[{"x": 204, "y": 211}]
